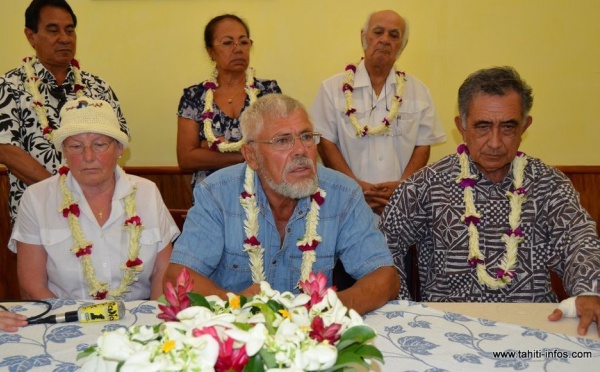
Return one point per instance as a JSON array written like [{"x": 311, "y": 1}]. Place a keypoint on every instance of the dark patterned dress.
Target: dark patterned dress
[
  {"x": 191, "y": 106},
  {"x": 559, "y": 234},
  {"x": 19, "y": 124}
]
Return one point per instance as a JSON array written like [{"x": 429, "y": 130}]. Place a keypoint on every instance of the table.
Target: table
[{"x": 411, "y": 336}]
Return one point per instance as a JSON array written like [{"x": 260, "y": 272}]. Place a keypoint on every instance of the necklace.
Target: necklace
[
  {"x": 366, "y": 130},
  {"x": 32, "y": 83},
  {"x": 307, "y": 244},
  {"x": 208, "y": 112},
  {"x": 505, "y": 273},
  {"x": 82, "y": 248},
  {"x": 230, "y": 99}
]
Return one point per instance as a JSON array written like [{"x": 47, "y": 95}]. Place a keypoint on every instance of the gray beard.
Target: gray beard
[{"x": 292, "y": 190}]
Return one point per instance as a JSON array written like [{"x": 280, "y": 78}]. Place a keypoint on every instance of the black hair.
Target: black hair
[
  {"x": 32, "y": 13},
  {"x": 209, "y": 30}
]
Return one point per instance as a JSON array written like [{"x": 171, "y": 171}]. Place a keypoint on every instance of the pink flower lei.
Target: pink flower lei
[
  {"x": 82, "y": 248},
  {"x": 307, "y": 244},
  {"x": 505, "y": 272},
  {"x": 366, "y": 130},
  {"x": 32, "y": 83}
]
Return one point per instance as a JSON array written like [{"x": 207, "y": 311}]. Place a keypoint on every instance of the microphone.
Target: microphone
[{"x": 106, "y": 311}]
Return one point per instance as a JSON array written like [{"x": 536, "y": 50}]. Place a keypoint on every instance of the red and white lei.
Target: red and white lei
[
  {"x": 505, "y": 273},
  {"x": 208, "y": 112},
  {"x": 82, "y": 248},
  {"x": 366, "y": 130},
  {"x": 32, "y": 83},
  {"x": 307, "y": 244}
]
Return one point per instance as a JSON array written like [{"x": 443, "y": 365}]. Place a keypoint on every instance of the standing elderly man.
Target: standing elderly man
[
  {"x": 278, "y": 216},
  {"x": 490, "y": 221},
  {"x": 32, "y": 95},
  {"x": 377, "y": 122}
]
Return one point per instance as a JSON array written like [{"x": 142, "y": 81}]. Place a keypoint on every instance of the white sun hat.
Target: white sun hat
[{"x": 86, "y": 115}]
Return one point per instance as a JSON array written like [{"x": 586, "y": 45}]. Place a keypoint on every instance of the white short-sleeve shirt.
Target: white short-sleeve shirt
[
  {"x": 377, "y": 159},
  {"x": 40, "y": 222}
]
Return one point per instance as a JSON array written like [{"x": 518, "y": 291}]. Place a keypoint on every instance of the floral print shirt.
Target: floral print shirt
[
  {"x": 191, "y": 106},
  {"x": 19, "y": 124}
]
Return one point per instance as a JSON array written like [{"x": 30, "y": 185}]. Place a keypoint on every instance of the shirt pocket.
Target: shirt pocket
[
  {"x": 56, "y": 237},
  {"x": 324, "y": 264}
]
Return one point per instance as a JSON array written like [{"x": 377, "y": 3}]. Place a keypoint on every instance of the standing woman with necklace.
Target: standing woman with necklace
[
  {"x": 92, "y": 231},
  {"x": 208, "y": 126}
]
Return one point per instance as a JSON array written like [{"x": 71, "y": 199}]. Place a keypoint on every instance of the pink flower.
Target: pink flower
[
  {"x": 346, "y": 87},
  {"x": 467, "y": 182},
  {"x": 471, "y": 220},
  {"x": 350, "y": 112},
  {"x": 462, "y": 148},
  {"x": 230, "y": 359},
  {"x": 47, "y": 130},
  {"x": 386, "y": 122},
  {"x": 246, "y": 195},
  {"x": 321, "y": 333},
  {"x": 351, "y": 67},
  {"x": 365, "y": 131},
  {"x": 315, "y": 287},
  {"x": 207, "y": 115},
  {"x": 176, "y": 297},
  {"x": 473, "y": 262}
]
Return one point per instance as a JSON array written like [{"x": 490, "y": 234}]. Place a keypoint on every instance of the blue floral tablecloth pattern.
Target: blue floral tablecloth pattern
[{"x": 54, "y": 347}]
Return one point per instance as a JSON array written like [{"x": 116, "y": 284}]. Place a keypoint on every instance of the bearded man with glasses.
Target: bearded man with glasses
[{"x": 279, "y": 217}]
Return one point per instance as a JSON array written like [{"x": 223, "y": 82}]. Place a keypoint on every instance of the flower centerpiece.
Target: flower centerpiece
[{"x": 269, "y": 331}]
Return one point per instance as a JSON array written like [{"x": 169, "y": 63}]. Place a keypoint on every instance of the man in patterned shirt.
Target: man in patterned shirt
[
  {"x": 489, "y": 222},
  {"x": 32, "y": 95}
]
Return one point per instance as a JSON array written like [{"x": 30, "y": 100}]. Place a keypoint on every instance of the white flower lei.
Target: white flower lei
[
  {"x": 82, "y": 248},
  {"x": 366, "y": 130},
  {"x": 32, "y": 83},
  {"x": 307, "y": 244},
  {"x": 208, "y": 112},
  {"x": 511, "y": 238}
]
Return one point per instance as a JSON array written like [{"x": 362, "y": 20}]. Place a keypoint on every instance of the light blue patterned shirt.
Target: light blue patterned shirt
[{"x": 212, "y": 239}]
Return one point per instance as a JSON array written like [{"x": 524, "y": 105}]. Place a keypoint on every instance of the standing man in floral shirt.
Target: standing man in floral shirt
[{"x": 32, "y": 95}]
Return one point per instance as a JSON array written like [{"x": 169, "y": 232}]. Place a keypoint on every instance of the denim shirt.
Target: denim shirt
[{"x": 212, "y": 240}]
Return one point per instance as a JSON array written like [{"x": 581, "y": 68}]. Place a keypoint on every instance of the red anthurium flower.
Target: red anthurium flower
[
  {"x": 246, "y": 195},
  {"x": 346, "y": 87},
  {"x": 230, "y": 359},
  {"x": 321, "y": 333},
  {"x": 386, "y": 122},
  {"x": 77, "y": 88},
  {"x": 63, "y": 171},
  {"x": 74, "y": 209},
  {"x": 365, "y": 131},
  {"x": 350, "y": 112},
  {"x": 37, "y": 103},
  {"x": 210, "y": 85},
  {"x": 351, "y": 67},
  {"x": 471, "y": 220},
  {"x": 47, "y": 130},
  {"x": 75, "y": 63}
]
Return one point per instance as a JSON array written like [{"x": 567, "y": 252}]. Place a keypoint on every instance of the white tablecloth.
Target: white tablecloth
[{"x": 410, "y": 335}]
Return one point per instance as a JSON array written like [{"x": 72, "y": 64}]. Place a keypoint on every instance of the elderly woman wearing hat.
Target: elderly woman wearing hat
[{"x": 92, "y": 231}]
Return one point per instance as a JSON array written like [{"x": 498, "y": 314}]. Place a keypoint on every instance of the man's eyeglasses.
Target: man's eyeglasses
[
  {"x": 287, "y": 141},
  {"x": 229, "y": 43},
  {"x": 97, "y": 147}
]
